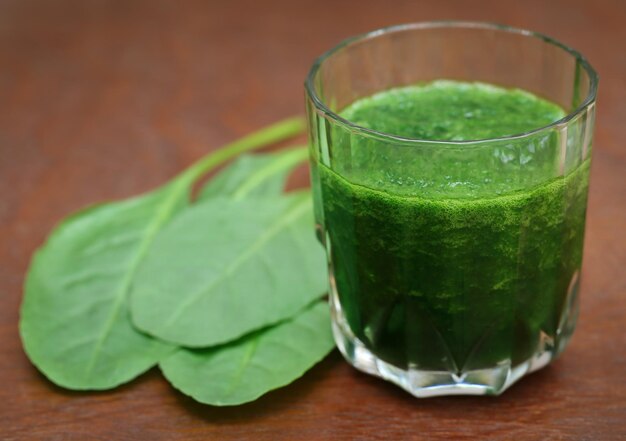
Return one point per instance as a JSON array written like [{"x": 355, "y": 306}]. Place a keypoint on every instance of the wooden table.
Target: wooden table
[{"x": 105, "y": 99}]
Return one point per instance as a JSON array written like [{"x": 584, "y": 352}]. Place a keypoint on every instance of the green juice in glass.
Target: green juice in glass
[{"x": 441, "y": 273}]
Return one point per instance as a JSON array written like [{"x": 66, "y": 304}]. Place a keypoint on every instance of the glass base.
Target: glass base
[{"x": 424, "y": 383}]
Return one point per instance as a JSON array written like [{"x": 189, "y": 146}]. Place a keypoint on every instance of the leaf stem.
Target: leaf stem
[
  {"x": 287, "y": 160},
  {"x": 269, "y": 135}
]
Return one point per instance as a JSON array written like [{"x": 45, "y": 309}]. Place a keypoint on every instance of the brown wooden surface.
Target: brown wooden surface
[{"x": 102, "y": 100}]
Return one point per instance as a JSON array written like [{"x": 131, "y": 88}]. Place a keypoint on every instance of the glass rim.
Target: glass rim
[{"x": 327, "y": 113}]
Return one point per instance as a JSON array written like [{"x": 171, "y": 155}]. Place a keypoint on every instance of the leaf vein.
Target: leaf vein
[{"x": 297, "y": 211}]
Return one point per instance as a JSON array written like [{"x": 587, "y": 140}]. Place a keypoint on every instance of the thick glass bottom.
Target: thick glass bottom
[{"x": 425, "y": 383}]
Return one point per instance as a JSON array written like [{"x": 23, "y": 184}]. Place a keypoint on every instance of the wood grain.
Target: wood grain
[{"x": 105, "y": 99}]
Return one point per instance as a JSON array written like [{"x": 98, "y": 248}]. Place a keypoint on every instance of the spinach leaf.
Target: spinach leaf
[
  {"x": 262, "y": 174},
  {"x": 228, "y": 266},
  {"x": 74, "y": 322},
  {"x": 244, "y": 370}
]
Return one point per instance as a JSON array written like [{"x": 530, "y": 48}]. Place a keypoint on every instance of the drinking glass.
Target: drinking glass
[{"x": 451, "y": 291}]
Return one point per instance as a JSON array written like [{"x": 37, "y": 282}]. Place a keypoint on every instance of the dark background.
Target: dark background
[{"x": 105, "y": 99}]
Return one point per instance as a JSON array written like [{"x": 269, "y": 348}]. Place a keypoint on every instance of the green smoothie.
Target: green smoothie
[{"x": 449, "y": 262}]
